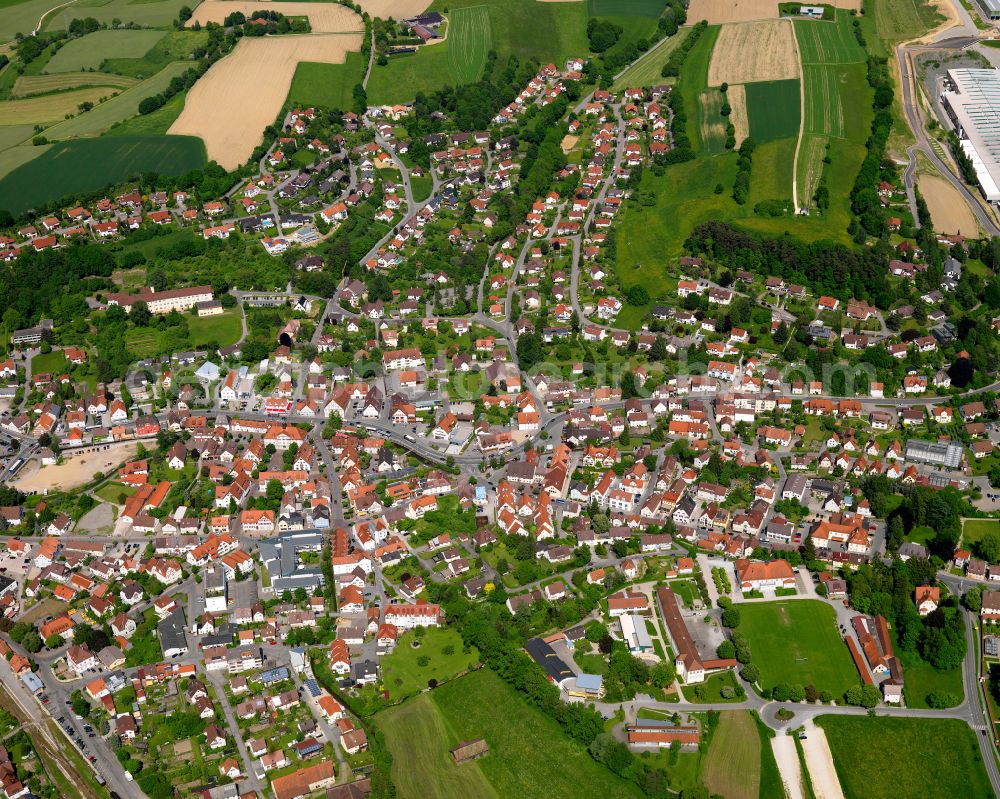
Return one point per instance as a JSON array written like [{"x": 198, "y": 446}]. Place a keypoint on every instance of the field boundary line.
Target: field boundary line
[{"x": 802, "y": 122}]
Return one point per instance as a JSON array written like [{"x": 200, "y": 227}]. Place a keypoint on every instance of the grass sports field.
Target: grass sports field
[
  {"x": 90, "y": 51},
  {"x": 27, "y": 85},
  {"x": 402, "y": 673},
  {"x": 329, "y": 85},
  {"x": 117, "y": 109},
  {"x": 732, "y": 766},
  {"x": 797, "y": 642},
  {"x": 530, "y": 756},
  {"x": 931, "y": 758},
  {"x": 773, "y": 108},
  {"x": 647, "y": 71},
  {"x": 470, "y": 38},
  {"x": 89, "y": 164},
  {"x": 419, "y": 740}
]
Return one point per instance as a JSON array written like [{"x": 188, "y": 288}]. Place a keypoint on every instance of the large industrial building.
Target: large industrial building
[{"x": 972, "y": 101}]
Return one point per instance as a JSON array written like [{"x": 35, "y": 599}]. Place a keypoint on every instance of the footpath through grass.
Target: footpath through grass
[{"x": 892, "y": 758}]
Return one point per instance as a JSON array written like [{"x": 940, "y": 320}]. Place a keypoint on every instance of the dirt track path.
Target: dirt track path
[
  {"x": 802, "y": 124},
  {"x": 788, "y": 764},
  {"x": 819, "y": 761}
]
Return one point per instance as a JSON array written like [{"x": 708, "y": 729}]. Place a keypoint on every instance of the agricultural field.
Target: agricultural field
[
  {"x": 50, "y": 107},
  {"x": 718, "y": 12},
  {"x": 530, "y": 756},
  {"x": 900, "y": 20},
  {"x": 650, "y": 9},
  {"x": 28, "y": 85},
  {"x": 470, "y": 38},
  {"x": 754, "y": 52},
  {"x": 711, "y": 123},
  {"x": 931, "y": 758},
  {"x": 88, "y": 164},
  {"x": 693, "y": 84},
  {"x": 13, "y": 157},
  {"x": 175, "y": 46},
  {"x": 646, "y": 72},
  {"x": 406, "y": 672},
  {"x": 771, "y": 173},
  {"x": 949, "y": 210},
  {"x": 828, "y": 42},
  {"x": 241, "y": 94},
  {"x": 773, "y": 109},
  {"x": 149, "y": 14},
  {"x": 323, "y": 17},
  {"x": 810, "y": 166},
  {"x": 732, "y": 765},
  {"x": 117, "y": 109},
  {"x": 528, "y": 29},
  {"x": 329, "y": 85},
  {"x": 737, "y": 98},
  {"x": 419, "y": 740},
  {"x": 91, "y": 51},
  {"x": 407, "y": 75},
  {"x": 797, "y": 642}
]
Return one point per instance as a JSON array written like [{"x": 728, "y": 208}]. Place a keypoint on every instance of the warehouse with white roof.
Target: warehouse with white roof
[{"x": 972, "y": 102}]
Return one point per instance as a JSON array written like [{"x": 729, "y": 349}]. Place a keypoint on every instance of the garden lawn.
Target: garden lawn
[
  {"x": 111, "y": 492},
  {"x": 402, "y": 674},
  {"x": 48, "y": 363},
  {"x": 530, "y": 756},
  {"x": 797, "y": 642},
  {"x": 889, "y": 758},
  {"x": 419, "y": 740},
  {"x": 710, "y": 691},
  {"x": 973, "y": 530},
  {"x": 732, "y": 766}
]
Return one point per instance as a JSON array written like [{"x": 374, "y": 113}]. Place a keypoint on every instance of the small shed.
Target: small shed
[{"x": 470, "y": 750}]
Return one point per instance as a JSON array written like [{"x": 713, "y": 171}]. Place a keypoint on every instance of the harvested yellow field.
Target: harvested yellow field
[
  {"x": 397, "y": 9},
  {"x": 49, "y": 107},
  {"x": 754, "y": 51},
  {"x": 323, "y": 17},
  {"x": 241, "y": 94},
  {"x": 737, "y": 98},
  {"x": 718, "y": 12},
  {"x": 949, "y": 211}
]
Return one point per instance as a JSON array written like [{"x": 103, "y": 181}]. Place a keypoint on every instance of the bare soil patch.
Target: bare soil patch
[
  {"x": 568, "y": 142},
  {"x": 77, "y": 470},
  {"x": 737, "y": 98},
  {"x": 241, "y": 94},
  {"x": 949, "y": 211},
  {"x": 754, "y": 51},
  {"x": 323, "y": 17}
]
